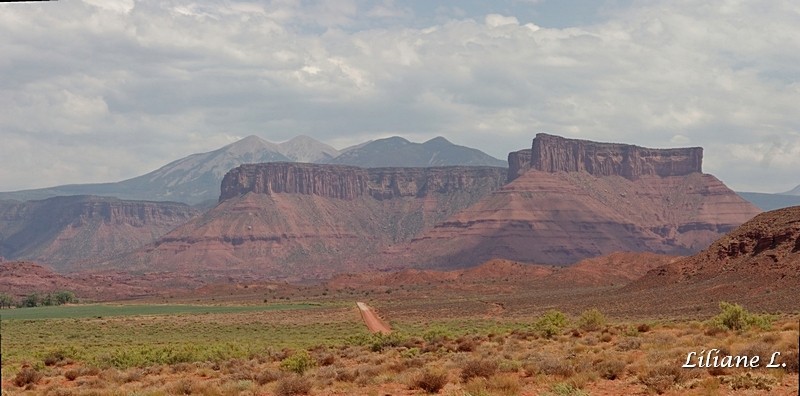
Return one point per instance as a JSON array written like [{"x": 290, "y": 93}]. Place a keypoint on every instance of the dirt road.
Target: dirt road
[{"x": 373, "y": 322}]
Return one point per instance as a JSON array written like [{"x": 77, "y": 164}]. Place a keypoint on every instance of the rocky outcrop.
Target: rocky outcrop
[
  {"x": 518, "y": 163},
  {"x": 349, "y": 182},
  {"x": 551, "y": 153},
  {"x": 65, "y": 232},
  {"x": 757, "y": 264}
]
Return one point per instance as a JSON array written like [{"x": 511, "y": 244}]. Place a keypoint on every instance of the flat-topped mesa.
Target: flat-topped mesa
[
  {"x": 334, "y": 181},
  {"x": 350, "y": 182},
  {"x": 551, "y": 153}
]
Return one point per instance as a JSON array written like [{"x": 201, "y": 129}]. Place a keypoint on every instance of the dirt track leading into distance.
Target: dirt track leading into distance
[{"x": 373, "y": 322}]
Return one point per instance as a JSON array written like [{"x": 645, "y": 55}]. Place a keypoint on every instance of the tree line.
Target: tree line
[{"x": 38, "y": 299}]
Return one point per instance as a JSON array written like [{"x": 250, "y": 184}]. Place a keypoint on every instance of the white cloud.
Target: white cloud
[
  {"x": 147, "y": 82},
  {"x": 496, "y": 20}
]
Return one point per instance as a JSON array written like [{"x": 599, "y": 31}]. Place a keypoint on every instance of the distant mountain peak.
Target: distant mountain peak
[
  {"x": 439, "y": 140},
  {"x": 304, "y": 148},
  {"x": 393, "y": 139},
  {"x": 396, "y": 151},
  {"x": 250, "y": 144}
]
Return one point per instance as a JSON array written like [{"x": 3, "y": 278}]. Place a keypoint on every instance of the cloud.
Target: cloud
[{"x": 108, "y": 90}]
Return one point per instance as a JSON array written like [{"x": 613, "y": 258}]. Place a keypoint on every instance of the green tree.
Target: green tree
[
  {"x": 6, "y": 301},
  {"x": 65, "y": 297},
  {"x": 32, "y": 300}
]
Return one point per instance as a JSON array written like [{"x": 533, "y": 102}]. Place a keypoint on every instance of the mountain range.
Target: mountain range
[
  {"x": 567, "y": 200},
  {"x": 196, "y": 179}
]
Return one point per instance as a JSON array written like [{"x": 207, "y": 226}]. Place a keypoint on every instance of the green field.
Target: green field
[
  {"x": 122, "y": 336},
  {"x": 111, "y": 310}
]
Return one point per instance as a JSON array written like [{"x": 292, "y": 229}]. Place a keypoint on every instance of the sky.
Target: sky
[{"x": 105, "y": 90}]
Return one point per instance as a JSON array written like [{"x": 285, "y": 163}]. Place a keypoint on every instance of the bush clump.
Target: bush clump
[
  {"x": 592, "y": 320},
  {"x": 662, "y": 377},
  {"x": 27, "y": 376},
  {"x": 478, "y": 368},
  {"x": 298, "y": 363},
  {"x": 292, "y": 385},
  {"x": 735, "y": 317},
  {"x": 430, "y": 380},
  {"x": 792, "y": 361},
  {"x": 551, "y": 323}
]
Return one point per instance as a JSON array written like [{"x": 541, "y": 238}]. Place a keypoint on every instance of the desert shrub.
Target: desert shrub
[
  {"x": 549, "y": 365},
  {"x": 60, "y": 356},
  {"x": 436, "y": 334},
  {"x": 610, "y": 369},
  {"x": 182, "y": 387},
  {"x": 478, "y": 368},
  {"x": 506, "y": 385},
  {"x": 760, "y": 349},
  {"x": 749, "y": 380},
  {"x": 628, "y": 344},
  {"x": 509, "y": 366},
  {"x": 72, "y": 374},
  {"x": 26, "y": 376},
  {"x": 643, "y": 328},
  {"x": 298, "y": 363},
  {"x": 324, "y": 376},
  {"x": 266, "y": 376},
  {"x": 325, "y": 359},
  {"x": 735, "y": 317},
  {"x": 430, "y": 380},
  {"x": 565, "y": 389},
  {"x": 662, "y": 377},
  {"x": 551, "y": 323},
  {"x": 346, "y": 375},
  {"x": 380, "y": 341},
  {"x": 591, "y": 320},
  {"x": 791, "y": 360},
  {"x": 466, "y": 345},
  {"x": 606, "y": 337},
  {"x": 291, "y": 385}
]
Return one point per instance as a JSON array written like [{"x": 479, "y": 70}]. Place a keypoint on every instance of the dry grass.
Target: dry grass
[
  {"x": 292, "y": 385},
  {"x": 430, "y": 380},
  {"x": 484, "y": 368},
  {"x": 471, "y": 356}
]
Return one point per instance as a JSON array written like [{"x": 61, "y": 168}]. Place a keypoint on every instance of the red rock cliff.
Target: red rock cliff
[
  {"x": 518, "y": 163},
  {"x": 66, "y": 231},
  {"x": 551, "y": 153},
  {"x": 349, "y": 182}
]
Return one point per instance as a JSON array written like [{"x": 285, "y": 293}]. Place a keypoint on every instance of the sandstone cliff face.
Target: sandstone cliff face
[
  {"x": 518, "y": 163},
  {"x": 581, "y": 199},
  {"x": 65, "y": 232},
  {"x": 551, "y": 153},
  {"x": 312, "y": 221},
  {"x": 349, "y": 182}
]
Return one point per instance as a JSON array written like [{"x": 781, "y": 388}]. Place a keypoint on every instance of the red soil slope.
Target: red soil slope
[{"x": 758, "y": 263}]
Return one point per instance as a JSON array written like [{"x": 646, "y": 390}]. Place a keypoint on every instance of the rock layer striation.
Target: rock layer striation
[
  {"x": 350, "y": 182},
  {"x": 573, "y": 199},
  {"x": 66, "y": 232},
  {"x": 311, "y": 221},
  {"x": 550, "y": 153}
]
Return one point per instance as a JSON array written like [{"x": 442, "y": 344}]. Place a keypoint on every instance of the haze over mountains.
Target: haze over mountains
[
  {"x": 196, "y": 179},
  {"x": 558, "y": 202},
  {"x": 568, "y": 200}
]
